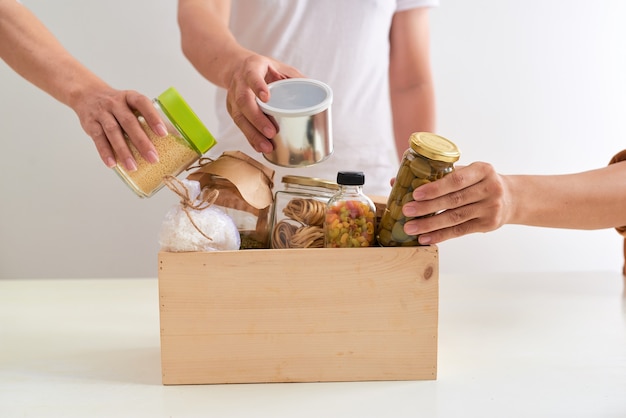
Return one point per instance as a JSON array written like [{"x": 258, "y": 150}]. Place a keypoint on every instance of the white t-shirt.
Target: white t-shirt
[{"x": 344, "y": 43}]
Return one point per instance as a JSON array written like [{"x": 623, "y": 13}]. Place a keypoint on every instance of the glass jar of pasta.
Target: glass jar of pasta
[
  {"x": 428, "y": 158},
  {"x": 350, "y": 215},
  {"x": 299, "y": 211}
]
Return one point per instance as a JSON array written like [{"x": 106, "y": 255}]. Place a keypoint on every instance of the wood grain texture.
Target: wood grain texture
[{"x": 299, "y": 315}]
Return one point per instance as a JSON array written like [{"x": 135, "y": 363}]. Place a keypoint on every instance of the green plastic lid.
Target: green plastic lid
[{"x": 186, "y": 121}]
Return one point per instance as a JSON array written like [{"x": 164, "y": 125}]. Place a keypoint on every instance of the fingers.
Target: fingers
[
  {"x": 102, "y": 144},
  {"x": 110, "y": 118},
  {"x": 114, "y": 135},
  {"x": 254, "y": 124},
  {"x": 248, "y": 83},
  {"x": 146, "y": 108},
  {"x": 247, "y": 115},
  {"x": 131, "y": 124},
  {"x": 471, "y": 199},
  {"x": 453, "y": 223},
  {"x": 109, "y": 140},
  {"x": 445, "y": 234},
  {"x": 459, "y": 179}
]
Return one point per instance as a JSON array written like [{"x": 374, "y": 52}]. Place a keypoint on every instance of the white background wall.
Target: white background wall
[{"x": 533, "y": 87}]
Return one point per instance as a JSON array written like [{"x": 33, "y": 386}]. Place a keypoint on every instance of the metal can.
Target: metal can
[
  {"x": 186, "y": 141},
  {"x": 428, "y": 158},
  {"x": 300, "y": 108}
]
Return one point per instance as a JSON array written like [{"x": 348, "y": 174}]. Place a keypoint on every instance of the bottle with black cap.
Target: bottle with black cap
[{"x": 350, "y": 214}]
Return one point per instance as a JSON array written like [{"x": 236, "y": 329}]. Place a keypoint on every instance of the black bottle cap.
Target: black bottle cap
[{"x": 351, "y": 178}]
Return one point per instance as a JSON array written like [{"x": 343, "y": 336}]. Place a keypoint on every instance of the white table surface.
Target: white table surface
[{"x": 510, "y": 345}]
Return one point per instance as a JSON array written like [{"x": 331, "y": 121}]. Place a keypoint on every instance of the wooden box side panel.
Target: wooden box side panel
[{"x": 299, "y": 315}]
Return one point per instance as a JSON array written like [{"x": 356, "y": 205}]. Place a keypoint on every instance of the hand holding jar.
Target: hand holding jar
[{"x": 430, "y": 157}]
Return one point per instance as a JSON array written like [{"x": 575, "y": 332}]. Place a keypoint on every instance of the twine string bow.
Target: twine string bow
[{"x": 205, "y": 200}]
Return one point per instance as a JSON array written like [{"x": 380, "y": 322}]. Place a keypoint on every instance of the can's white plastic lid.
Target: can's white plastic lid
[{"x": 297, "y": 97}]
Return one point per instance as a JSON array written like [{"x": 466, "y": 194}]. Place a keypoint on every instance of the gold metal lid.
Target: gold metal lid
[
  {"x": 310, "y": 181},
  {"x": 434, "y": 147}
]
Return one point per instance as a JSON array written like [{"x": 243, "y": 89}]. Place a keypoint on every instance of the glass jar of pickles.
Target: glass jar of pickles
[
  {"x": 186, "y": 141},
  {"x": 350, "y": 215},
  {"x": 428, "y": 158},
  {"x": 299, "y": 212}
]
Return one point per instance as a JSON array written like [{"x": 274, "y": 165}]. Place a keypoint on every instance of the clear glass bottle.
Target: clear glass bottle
[
  {"x": 428, "y": 158},
  {"x": 187, "y": 140},
  {"x": 299, "y": 212},
  {"x": 350, "y": 215}
]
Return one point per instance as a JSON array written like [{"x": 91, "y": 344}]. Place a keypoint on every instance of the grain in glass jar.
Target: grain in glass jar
[
  {"x": 299, "y": 212},
  {"x": 186, "y": 141},
  {"x": 428, "y": 158},
  {"x": 350, "y": 215}
]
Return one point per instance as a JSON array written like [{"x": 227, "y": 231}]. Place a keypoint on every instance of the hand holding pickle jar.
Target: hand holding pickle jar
[{"x": 428, "y": 158}]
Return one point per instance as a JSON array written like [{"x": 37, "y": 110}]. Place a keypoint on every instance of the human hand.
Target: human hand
[
  {"x": 107, "y": 115},
  {"x": 471, "y": 199},
  {"x": 248, "y": 81}
]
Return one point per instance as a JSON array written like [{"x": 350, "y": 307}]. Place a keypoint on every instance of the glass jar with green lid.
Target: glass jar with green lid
[
  {"x": 428, "y": 158},
  {"x": 186, "y": 141},
  {"x": 299, "y": 210}
]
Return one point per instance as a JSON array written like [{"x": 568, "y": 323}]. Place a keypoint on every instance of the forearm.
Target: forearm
[
  {"x": 413, "y": 111},
  {"x": 206, "y": 40},
  {"x": 34, "y": 53},
  {"x": 410, "y": 76},
  {"x": 589, "y": 200}
]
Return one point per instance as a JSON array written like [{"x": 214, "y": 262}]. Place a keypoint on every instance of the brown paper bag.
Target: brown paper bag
[{"x": 245, "y": 193}]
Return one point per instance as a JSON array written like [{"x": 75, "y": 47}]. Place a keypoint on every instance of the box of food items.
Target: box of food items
[{"x": 250, "y": 291}]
